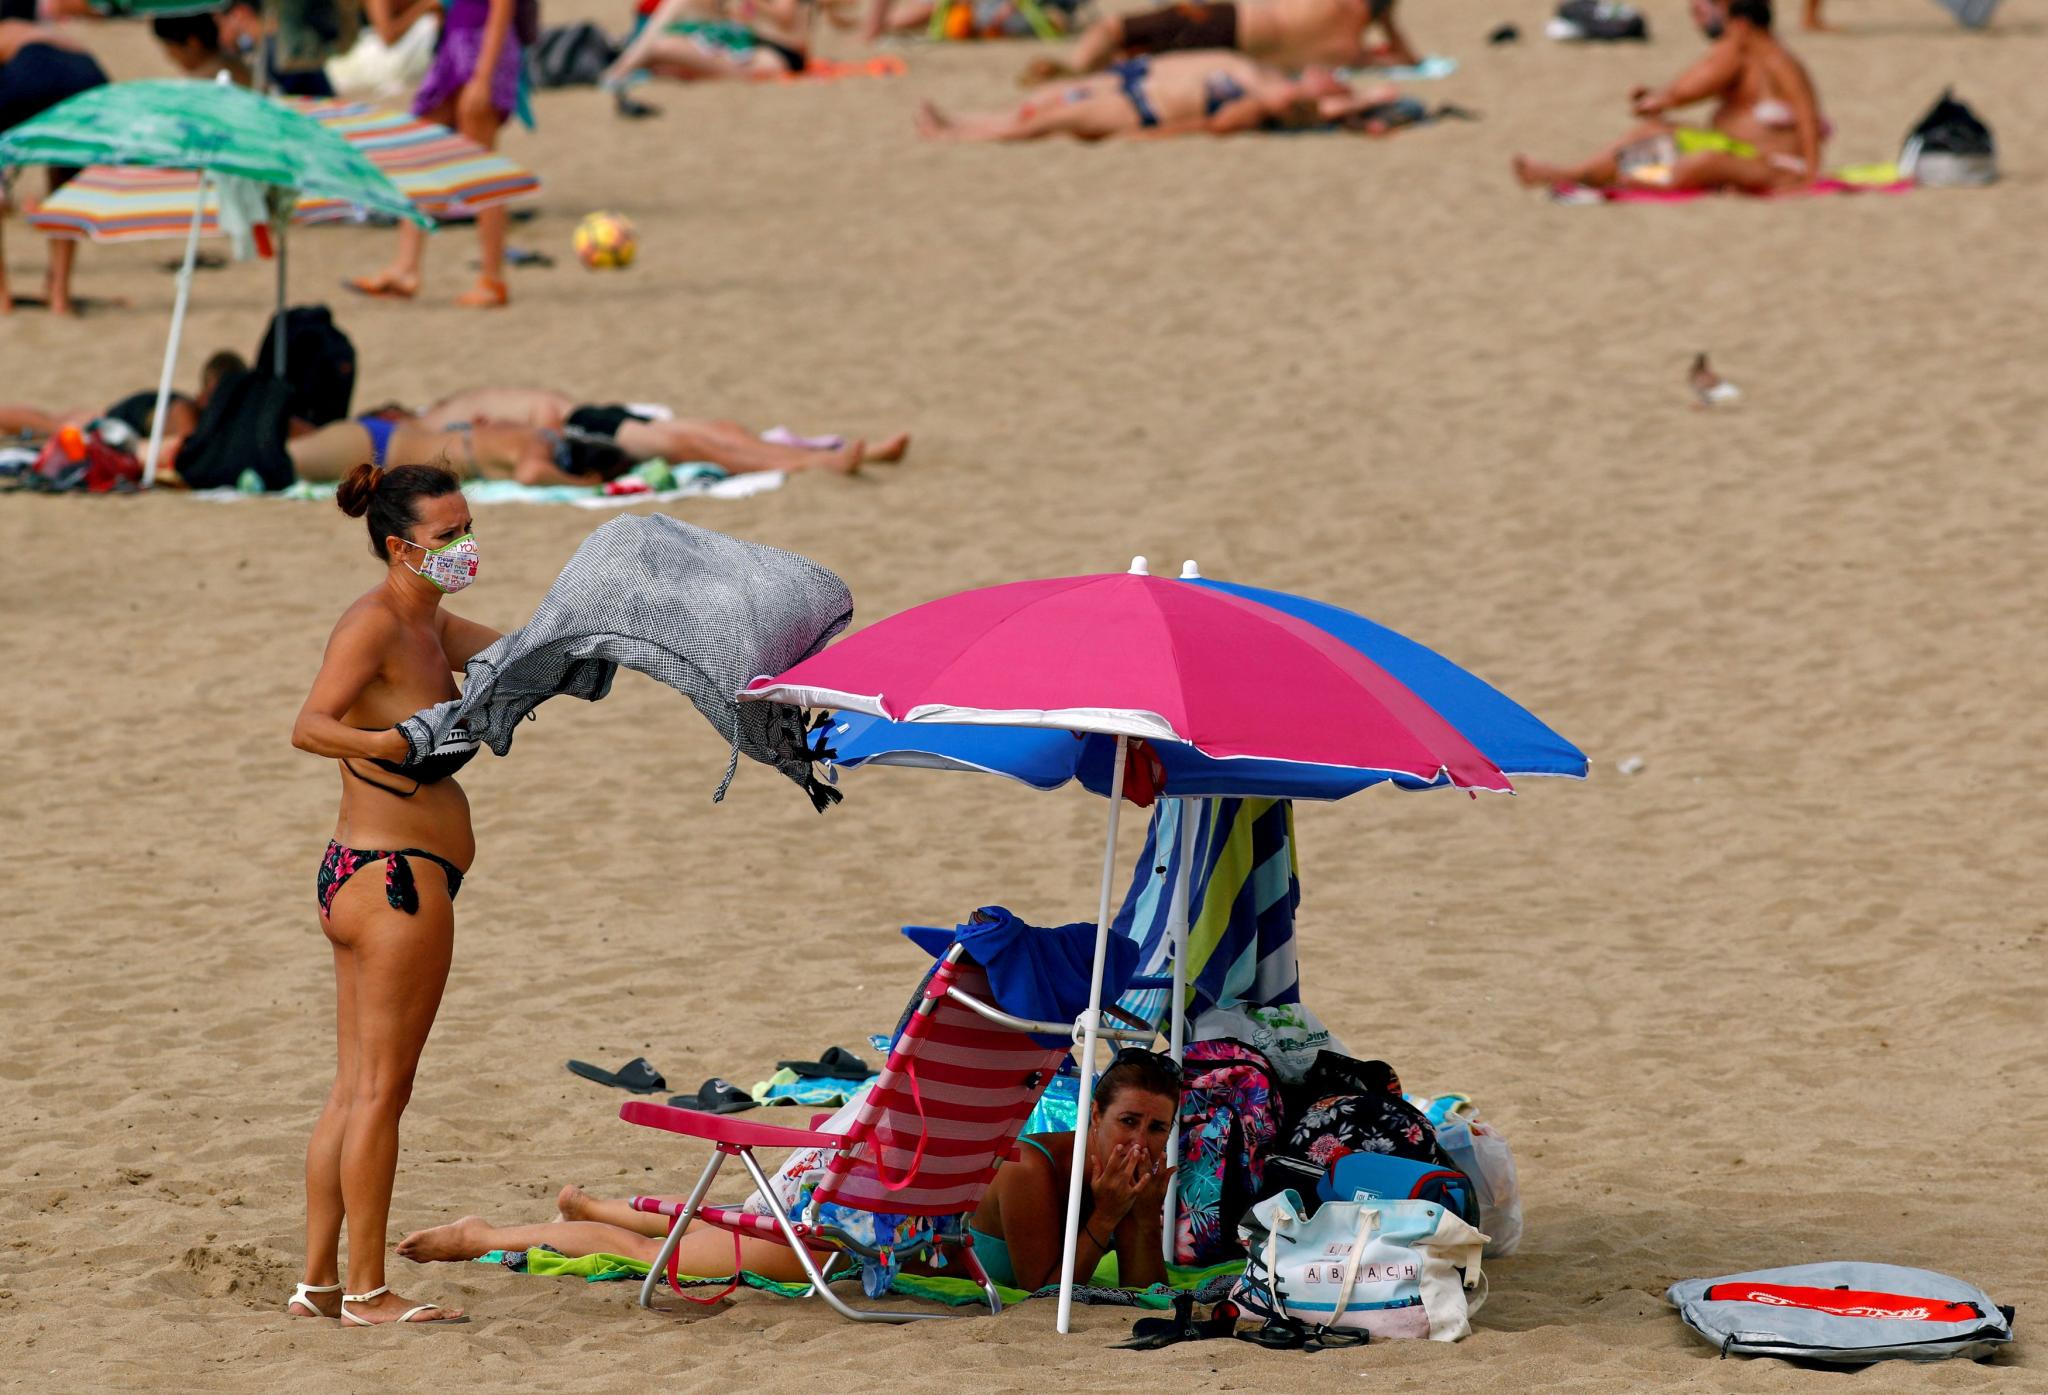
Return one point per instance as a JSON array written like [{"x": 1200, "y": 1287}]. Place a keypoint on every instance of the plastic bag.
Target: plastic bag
[
  {"x": 1481, "y": 1152},
  {"x": 1287, "y": 1034}
]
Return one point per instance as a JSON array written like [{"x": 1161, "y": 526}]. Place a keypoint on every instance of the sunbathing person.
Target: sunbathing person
[
  {"x": 645, "y": 432},
  {"x": 486, "y": 451},
  {"x": 694, "y": 39},
  {"x": 1765, "y": 133},
  {"x": 1212, "y": 92},
  {"x": 965, "y": 19},
  {"x": 1017, "y": 1231},
  {"x": 1284, "y": 33}
]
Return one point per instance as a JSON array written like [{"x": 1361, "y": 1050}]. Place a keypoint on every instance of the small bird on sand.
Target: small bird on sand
[{"x": 1710, "y": 387}]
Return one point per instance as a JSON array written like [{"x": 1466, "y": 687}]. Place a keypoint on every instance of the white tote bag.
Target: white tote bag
[{"x": 1388, "y": 1268}]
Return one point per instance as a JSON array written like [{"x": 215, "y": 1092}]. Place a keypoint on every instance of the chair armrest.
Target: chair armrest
[{"x": 722, "y": 1128}]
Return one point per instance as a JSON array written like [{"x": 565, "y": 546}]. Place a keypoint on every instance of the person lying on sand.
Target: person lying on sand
[
  {"x": 1017, "y": 1231},
  {"x": 1284, "y": 33},
  {"x": 136, "y": 411},
  {"x": 644, "y": 433},
  {"x": 486, "y": 451},
  {"x": 1212, "y": 92},
  {"x": 1765, "y": 133},
  {"x": 694, "y": 39}
]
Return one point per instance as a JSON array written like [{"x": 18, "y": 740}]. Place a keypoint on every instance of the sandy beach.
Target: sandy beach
[{"x": 1777, "y": 996}]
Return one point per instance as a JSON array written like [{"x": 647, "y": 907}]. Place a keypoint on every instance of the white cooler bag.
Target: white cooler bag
[{"x": 1388, "y": 1268}]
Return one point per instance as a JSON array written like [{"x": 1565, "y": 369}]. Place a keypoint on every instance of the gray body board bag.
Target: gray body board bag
[{"x": 1750, "y": 1315}]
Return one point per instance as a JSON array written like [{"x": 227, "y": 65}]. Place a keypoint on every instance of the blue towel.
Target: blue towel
[{"x": 1039, "y": 972}]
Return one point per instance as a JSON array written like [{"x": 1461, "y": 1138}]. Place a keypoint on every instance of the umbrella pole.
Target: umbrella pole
[
  {"x": 277, "y": 323},
  {"x": 1177, "y": 928},
  {"x": 163, "y": 387},
  {"x": 1090, "y": 1024}
]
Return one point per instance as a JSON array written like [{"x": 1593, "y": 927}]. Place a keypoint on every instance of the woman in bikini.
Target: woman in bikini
[
  {"x": 1017, "y": 1231},
  {"x": 483, "y": 450},
  {"x": 1765, "y": 134},
  {"x": 387, "y": 885},
  {"x": 1212, "y": 92}
]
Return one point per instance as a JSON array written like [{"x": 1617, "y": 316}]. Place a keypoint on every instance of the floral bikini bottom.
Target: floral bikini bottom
[{"x": 399, "y": 889}]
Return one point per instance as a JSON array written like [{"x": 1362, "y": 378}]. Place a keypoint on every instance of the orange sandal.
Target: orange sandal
[{"x": 378, "y": 289}]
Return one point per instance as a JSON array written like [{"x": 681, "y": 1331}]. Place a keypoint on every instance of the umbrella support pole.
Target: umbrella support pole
[
  {"x": 1088, "y": 1027},
  {"x": 277, "y": 324},
  {"x": 1177, "y": 930},
  {"x": 163, "y": 388}
]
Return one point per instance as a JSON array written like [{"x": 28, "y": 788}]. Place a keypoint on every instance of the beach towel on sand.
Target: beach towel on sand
[{"x": 697, "y": 610}]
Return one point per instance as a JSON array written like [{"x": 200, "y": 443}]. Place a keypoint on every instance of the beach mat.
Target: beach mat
[
  {"x": 1428, "y": 69},
  {"x": 692, "y": 482},
  {"x": 830, "y": 70},
  {"x": 1208, "y": 1285},
  {"x": 1872, "y": 179}
]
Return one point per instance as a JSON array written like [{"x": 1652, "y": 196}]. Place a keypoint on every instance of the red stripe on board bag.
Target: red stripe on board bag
[{"x": 1846, "y": 1302}]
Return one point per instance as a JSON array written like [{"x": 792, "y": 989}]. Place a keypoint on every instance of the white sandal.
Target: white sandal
[
  {"x": 300, "y": 1298},
  {"x": 411, "y": 1315}
]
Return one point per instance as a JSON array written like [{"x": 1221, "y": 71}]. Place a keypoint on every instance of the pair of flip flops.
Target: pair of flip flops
[
  {"x": 834, "y": 1063},
  {"x": 1152, "y": 1333}
]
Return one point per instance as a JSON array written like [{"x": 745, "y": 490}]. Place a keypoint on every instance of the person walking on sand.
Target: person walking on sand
[
  {"x": 472, "y": 87},
  {"x": 387, "y": 885},
  {"x": 39, "y": 67}
]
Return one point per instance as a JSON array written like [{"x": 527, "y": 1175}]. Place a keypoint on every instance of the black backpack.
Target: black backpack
[
  {"x": 1950, "y": 146},
  {"x": 244, "y": 427},
  {"x": 570, "y": 55},
  {"x": 319, "y": 363}
]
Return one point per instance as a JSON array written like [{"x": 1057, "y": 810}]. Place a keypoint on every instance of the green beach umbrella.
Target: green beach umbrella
[{"x": 225, "y": 133}]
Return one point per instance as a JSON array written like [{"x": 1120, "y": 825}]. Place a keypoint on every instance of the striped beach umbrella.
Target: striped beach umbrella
[{"x": 445, "y": 175}]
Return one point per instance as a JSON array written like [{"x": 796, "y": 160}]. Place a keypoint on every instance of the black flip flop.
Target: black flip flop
[
  {"x": 715, "y": 1096},
  {"x": 1152, "y": 1333},
  {"x": 636, "y": 1075},
  {"x": 834, "y": 1063}
]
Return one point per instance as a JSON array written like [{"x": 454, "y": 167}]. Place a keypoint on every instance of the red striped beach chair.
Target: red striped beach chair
[{"x": 959, "y": 1083}]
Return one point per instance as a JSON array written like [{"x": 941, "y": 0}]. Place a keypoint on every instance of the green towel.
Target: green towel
[{"x": 954, "y": 1293}]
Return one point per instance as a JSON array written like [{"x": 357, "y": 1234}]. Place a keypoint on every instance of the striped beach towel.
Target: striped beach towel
[{"x": 1241, "y": 906}]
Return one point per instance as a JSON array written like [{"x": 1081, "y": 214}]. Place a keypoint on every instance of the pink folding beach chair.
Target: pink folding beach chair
[{"x": 960, "y": 1081}]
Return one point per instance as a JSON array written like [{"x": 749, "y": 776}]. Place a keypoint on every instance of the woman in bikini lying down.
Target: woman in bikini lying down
[
  {"x": 387, "y": 884},
  {"x": 1017, "y": 1231},
  {"x": 485, "y": 450},
  {"x": 1209, "y": 91}
]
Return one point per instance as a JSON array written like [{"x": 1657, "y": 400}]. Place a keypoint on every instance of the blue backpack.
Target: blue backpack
[{"x": 1381, "y": 1176}]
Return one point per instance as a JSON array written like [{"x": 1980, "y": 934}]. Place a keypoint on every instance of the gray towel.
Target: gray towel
[{"x": 697, "y": 610}]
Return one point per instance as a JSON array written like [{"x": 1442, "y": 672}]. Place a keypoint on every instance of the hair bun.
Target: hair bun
[{"x": 356, "y": 489}]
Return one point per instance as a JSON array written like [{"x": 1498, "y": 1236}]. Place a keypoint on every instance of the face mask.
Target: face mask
[{"x": 448, "y": 568}]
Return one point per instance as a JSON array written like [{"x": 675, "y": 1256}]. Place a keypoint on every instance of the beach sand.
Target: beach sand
[{"x": 1777, "y": 997}]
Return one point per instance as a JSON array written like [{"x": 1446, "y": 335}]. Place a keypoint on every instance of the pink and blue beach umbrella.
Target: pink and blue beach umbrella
[
  {"x": 1505, "y": 733},
  {"x": 1141, "y": 658}
]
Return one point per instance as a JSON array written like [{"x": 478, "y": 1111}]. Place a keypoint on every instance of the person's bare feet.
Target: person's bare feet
[
  {"x": 844, "y": 461},
  {"x": 1043, "y": 70},
  {"x": 891, "y": 450},
  {"x": 488, "y": 293},
  {"x": 388, "y": 1307},
  {"x": 572, "y": 1204},
  {"x": 932, "y": 123},
  {"x": 1532, "y": 174},
  {"x": 463, "y": 1239}
]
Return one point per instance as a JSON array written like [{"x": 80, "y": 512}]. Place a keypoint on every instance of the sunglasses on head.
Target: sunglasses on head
[{"x": 1157, "y": 1058}]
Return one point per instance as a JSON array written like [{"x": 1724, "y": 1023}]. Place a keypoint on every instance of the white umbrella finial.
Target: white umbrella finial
[
  {"x": 1189, "y": 571},
  {"x": 1140, "y": 567}
]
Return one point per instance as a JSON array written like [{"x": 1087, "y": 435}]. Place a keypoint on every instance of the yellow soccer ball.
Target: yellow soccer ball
[{"x": 605, "y": 241}]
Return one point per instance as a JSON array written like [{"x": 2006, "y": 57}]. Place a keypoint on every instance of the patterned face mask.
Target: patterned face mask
[{"x": 449, "y": 568}]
